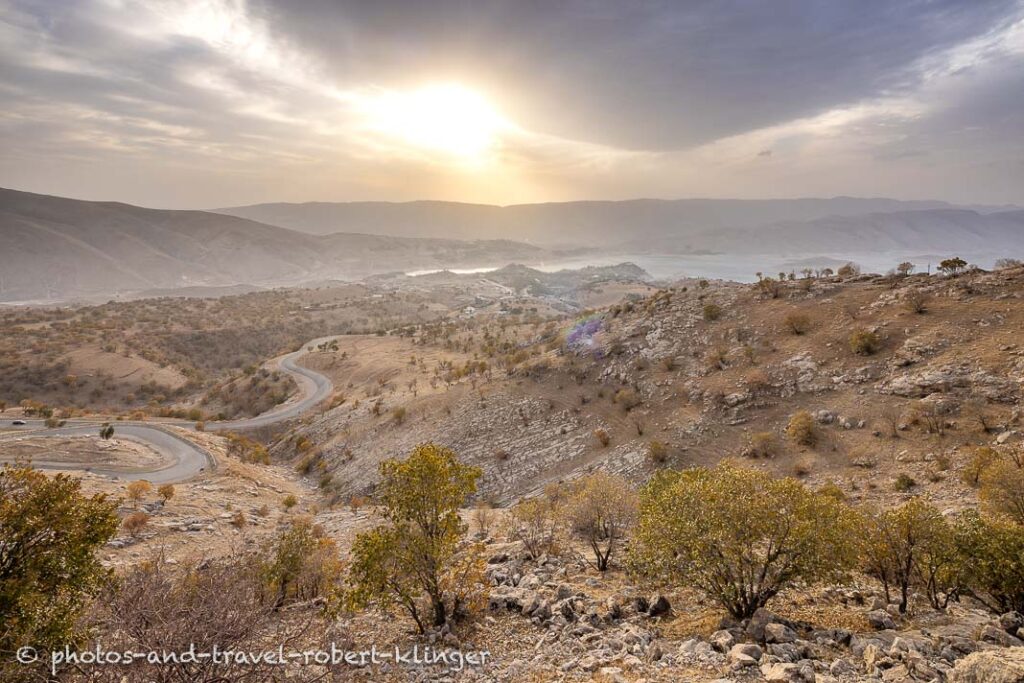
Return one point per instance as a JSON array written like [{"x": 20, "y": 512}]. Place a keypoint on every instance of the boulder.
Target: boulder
[
  {"x": 756, "y": 624},
  {"x": 721, "y": 640},
  {"x": 880, "y": 619},
  {"x": 1011, "y": 621},
  {"x": 744, "y": 654},
  {"x": 990, "y": 666},
  {"x": 659, "y": 605},
  {"x": 779, "y": 633},
  {"x": 997, "y": 636}
]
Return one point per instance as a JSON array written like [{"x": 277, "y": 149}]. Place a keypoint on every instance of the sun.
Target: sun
[{"x": 448, "y": 118}]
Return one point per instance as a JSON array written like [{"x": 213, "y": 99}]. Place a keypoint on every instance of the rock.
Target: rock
[
  {"x": 744, "y": 654},
  {"x": 780, "y": 673},
  {"x": 997, "y": 636},
  {"x": 897, "y": 674},
  {"x": 659, "y": 605},
  {"x": 990, "y": 666},
  {"x": 611, "y": 673},
  {"x": 842, "y": 667},
  {"x": 588, "y": 663},
  {"x": 1011, "y": 621},
  {"x": 880, "y": 620},
  {"x": 875, "y": 660},
  {"x": 779, "y": 633},
  {"x": 757, "y": 623},
  {"x": 531, "y": 602},
  {"x": 786, "y": 652},
  {"x": 695, "y": 648},
  {"x": 722, "y": 640}
]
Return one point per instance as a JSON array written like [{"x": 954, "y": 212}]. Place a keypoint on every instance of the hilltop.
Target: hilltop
[{"x": 52, "y": 248}]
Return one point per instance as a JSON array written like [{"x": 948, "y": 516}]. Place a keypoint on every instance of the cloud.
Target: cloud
[{"x": 235, "y": 101}]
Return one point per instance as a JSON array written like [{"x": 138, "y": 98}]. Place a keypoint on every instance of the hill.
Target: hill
[
  {"x": 645, "y": 224},
  {"x": 57, "y": 248}
]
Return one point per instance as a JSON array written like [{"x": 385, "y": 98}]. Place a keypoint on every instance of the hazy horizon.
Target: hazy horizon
[
  {"x": 177, "y": 104},
  {"x": 579, "y": 200}
]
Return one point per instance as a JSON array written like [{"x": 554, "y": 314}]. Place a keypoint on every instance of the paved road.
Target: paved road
[{"x": 186, "y": 458}]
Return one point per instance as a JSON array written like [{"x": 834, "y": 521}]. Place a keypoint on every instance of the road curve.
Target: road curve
[{"x": 187, "y": 459}]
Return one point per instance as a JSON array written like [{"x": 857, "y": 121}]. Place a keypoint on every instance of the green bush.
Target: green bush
[
  {"x": 50, "y": 534},
  {"x": 740, "y": 536}
]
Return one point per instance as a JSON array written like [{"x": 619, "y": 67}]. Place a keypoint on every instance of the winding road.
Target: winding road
[{"x": 187, "y": 459}]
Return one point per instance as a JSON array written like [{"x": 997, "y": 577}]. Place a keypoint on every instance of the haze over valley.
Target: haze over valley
[{"x": 58, "y": 249}]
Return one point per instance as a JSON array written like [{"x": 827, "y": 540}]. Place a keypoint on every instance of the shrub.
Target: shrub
[
  {"x": 802, "y": 430},
  {"x": 398, "y": 415},
  {"x": 797, "y": 323},
  {"x": 602, "y": 436},
  {"x": 166, "y": 492},
  {"x": 848, "y": 270},
  {"x": 762, "y": 445},
  {"x": 600, "y": 510},
  {"x": 49, "y": 569},
  {"x": 982, "y": 458},
  {"x": 137, "y": 490},
  {"x": 994, "y": 570},
  {"x": 952, "y": 266},
  {"x": 1002, "y": 490},
  {"x": 414, "y": 554},
  {"x": 657, "y": 452},
  {"x": 289, "y": 501},
  {"x": 534, "y": 523},
  {"x": 172, "y": 608},
  {"x": 903, "y": 482},
  {"x": 712, "y": 312},
  {"x": 483, "y": 515},
  {"x": 864, "y": 342},
  {"x": 627, "y": 398},
  {"x": 247, "y": 450},
  {"x": 239, "y": 520},
  {"x": 302, "y": 564},
  {"x": 911, "y": 545},
  {"x": 916, "y": 301},
  {"x": 740, "y": 536},
  {"x": 135, "y": 523}
]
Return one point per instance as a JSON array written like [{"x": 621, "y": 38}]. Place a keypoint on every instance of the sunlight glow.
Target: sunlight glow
[{"x": 441, "y": 118}]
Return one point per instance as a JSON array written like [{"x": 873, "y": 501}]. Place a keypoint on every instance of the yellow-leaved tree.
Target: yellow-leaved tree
[
  {"x": 414, "y": 559},
  {"x": 739, "y": 535}
]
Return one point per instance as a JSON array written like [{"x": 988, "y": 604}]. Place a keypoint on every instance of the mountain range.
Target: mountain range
[
  {"x": 677, "y": 225},
  {"x": 53, "y": 248}
]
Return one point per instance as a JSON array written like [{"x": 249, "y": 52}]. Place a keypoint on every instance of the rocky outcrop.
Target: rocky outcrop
[
  {"x": 991, "y": 666},
  {"x": 951, "y": 379}
]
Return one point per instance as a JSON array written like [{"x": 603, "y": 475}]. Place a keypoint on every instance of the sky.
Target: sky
[{"x": 188, "y": 104}]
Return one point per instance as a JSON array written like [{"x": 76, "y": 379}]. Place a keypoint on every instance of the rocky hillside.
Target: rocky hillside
[{"x": 697, "y": 373}]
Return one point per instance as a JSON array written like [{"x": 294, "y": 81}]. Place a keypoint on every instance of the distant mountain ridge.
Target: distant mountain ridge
[
  {"x": 57, "y": 248},
  {"x": 589, "y": 223}
]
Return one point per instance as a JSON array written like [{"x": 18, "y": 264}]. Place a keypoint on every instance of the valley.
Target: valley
[{"x": 883, "y": 389}]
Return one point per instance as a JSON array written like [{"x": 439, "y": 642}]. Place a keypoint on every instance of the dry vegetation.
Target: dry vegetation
[{"x": 856, "y": 439}]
